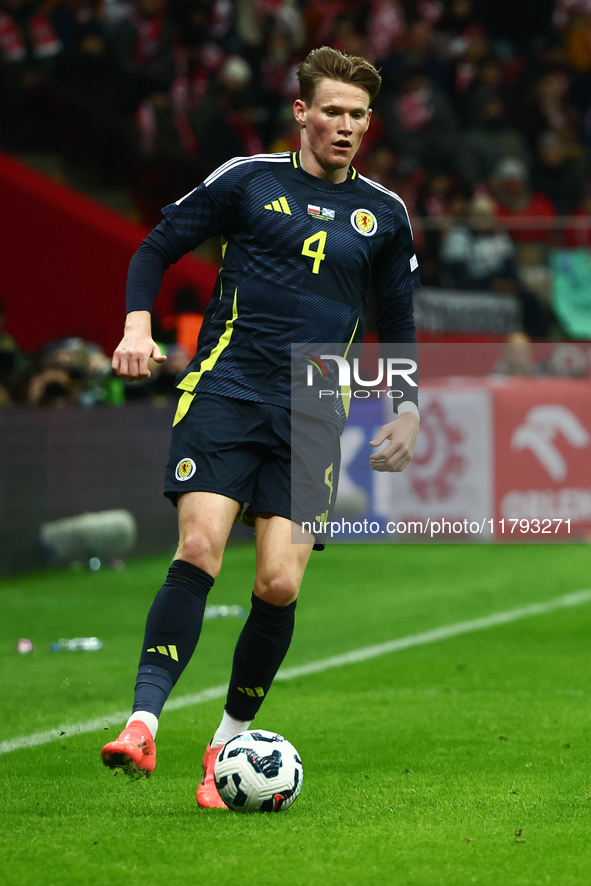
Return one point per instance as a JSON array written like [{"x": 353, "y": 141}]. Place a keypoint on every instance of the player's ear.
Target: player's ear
[
  {"x": 299, "y": 111},
  {"x": 368, "y": 119}
]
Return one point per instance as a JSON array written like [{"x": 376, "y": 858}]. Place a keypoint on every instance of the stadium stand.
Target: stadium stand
[
  {"x": 135, "y": 101},
  {"x": 482, "y": 126}
]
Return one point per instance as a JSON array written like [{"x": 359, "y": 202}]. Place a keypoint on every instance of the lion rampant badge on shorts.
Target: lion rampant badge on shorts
[{"x": 185, "y": 469}]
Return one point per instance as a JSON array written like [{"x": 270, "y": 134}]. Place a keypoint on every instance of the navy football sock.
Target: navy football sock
[
  {"x": 260, "y": 649},
  {"x": 172, "y": 631}
]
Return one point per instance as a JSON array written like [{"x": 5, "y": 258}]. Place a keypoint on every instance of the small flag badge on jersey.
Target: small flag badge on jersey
[
  {"x": 321, "y": 212},
  {"x": 414, "y": 263}
]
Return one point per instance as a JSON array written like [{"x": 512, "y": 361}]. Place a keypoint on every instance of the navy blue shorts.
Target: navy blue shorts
[{"x": 250, "y": 451}]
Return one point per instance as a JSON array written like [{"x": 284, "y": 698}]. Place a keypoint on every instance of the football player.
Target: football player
[{"x": 305, "y": 237}]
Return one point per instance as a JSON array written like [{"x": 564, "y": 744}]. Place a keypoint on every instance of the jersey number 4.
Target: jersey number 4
[{"x": 318, "y": 253}]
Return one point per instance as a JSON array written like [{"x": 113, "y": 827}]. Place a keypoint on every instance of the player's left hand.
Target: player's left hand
[{"x": 402, "y": 434}]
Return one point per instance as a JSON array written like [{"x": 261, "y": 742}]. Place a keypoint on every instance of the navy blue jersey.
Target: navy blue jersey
[{"x": 300, "y": 257}]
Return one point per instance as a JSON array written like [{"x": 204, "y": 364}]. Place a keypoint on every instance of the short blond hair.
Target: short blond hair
[{"x": 331, "y": 64}]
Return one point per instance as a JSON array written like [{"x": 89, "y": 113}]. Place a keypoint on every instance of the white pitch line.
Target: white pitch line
[{"x": 567, "y": 601}]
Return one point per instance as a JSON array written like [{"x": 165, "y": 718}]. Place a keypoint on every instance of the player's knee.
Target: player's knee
[
  {"x": 280, "y": 590},
  {"x": 197, "y": 548}
]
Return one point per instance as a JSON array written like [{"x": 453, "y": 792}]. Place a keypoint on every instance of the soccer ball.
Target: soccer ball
[{"x": 258, "y": 771}]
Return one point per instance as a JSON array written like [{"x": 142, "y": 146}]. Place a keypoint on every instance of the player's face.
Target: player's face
[{"x": 332, "y": 127}]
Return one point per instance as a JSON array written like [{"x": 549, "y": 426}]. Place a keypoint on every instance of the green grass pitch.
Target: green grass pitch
[{"x": 462, "y": 761}]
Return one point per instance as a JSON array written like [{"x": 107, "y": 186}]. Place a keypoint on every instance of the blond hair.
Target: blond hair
[{"x": 331, "y": 64}]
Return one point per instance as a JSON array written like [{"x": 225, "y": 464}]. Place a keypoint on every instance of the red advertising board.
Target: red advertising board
[{"x": 542, "y": 458}]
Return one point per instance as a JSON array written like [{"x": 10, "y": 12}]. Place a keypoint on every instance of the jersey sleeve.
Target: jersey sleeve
[
  {"x": 157, "y": 252},
  {"x": 396, "y": 273},
  {"x": 207, "y": 211},
  {"x": 210, "y": 209},
  {"x": 396, "y": 277}
]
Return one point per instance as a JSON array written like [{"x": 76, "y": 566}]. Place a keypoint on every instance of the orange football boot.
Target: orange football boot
[
  {"x": 134, "y": 751},
  {"x": 207, "y": 793}
]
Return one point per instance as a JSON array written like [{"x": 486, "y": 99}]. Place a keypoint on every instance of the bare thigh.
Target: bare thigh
[
  {"x": 205, "y": 521},
  {"x": 280, "y": 565}
]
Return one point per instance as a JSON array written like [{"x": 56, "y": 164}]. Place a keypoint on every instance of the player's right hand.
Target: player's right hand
[{"x": 132, "y": 357}]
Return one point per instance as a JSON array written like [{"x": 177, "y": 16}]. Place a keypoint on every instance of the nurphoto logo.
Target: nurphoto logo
[{"x": 388, "y": 371}]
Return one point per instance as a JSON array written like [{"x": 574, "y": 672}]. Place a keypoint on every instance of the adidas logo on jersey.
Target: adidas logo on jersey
[{"x": 280, "y": 205}]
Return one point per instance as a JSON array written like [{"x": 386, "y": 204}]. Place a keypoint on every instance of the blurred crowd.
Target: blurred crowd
[
  {"x": 483, "y": 123},
  {"x": 74, "y": 372},
  {"x": 157, "y": 93}
]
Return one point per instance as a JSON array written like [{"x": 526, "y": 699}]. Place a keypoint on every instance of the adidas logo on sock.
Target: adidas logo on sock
[{"x": 166, "y": 650}]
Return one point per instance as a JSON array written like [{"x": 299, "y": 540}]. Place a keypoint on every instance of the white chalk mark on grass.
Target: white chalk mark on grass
[{"x": 568, "y": 601}]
